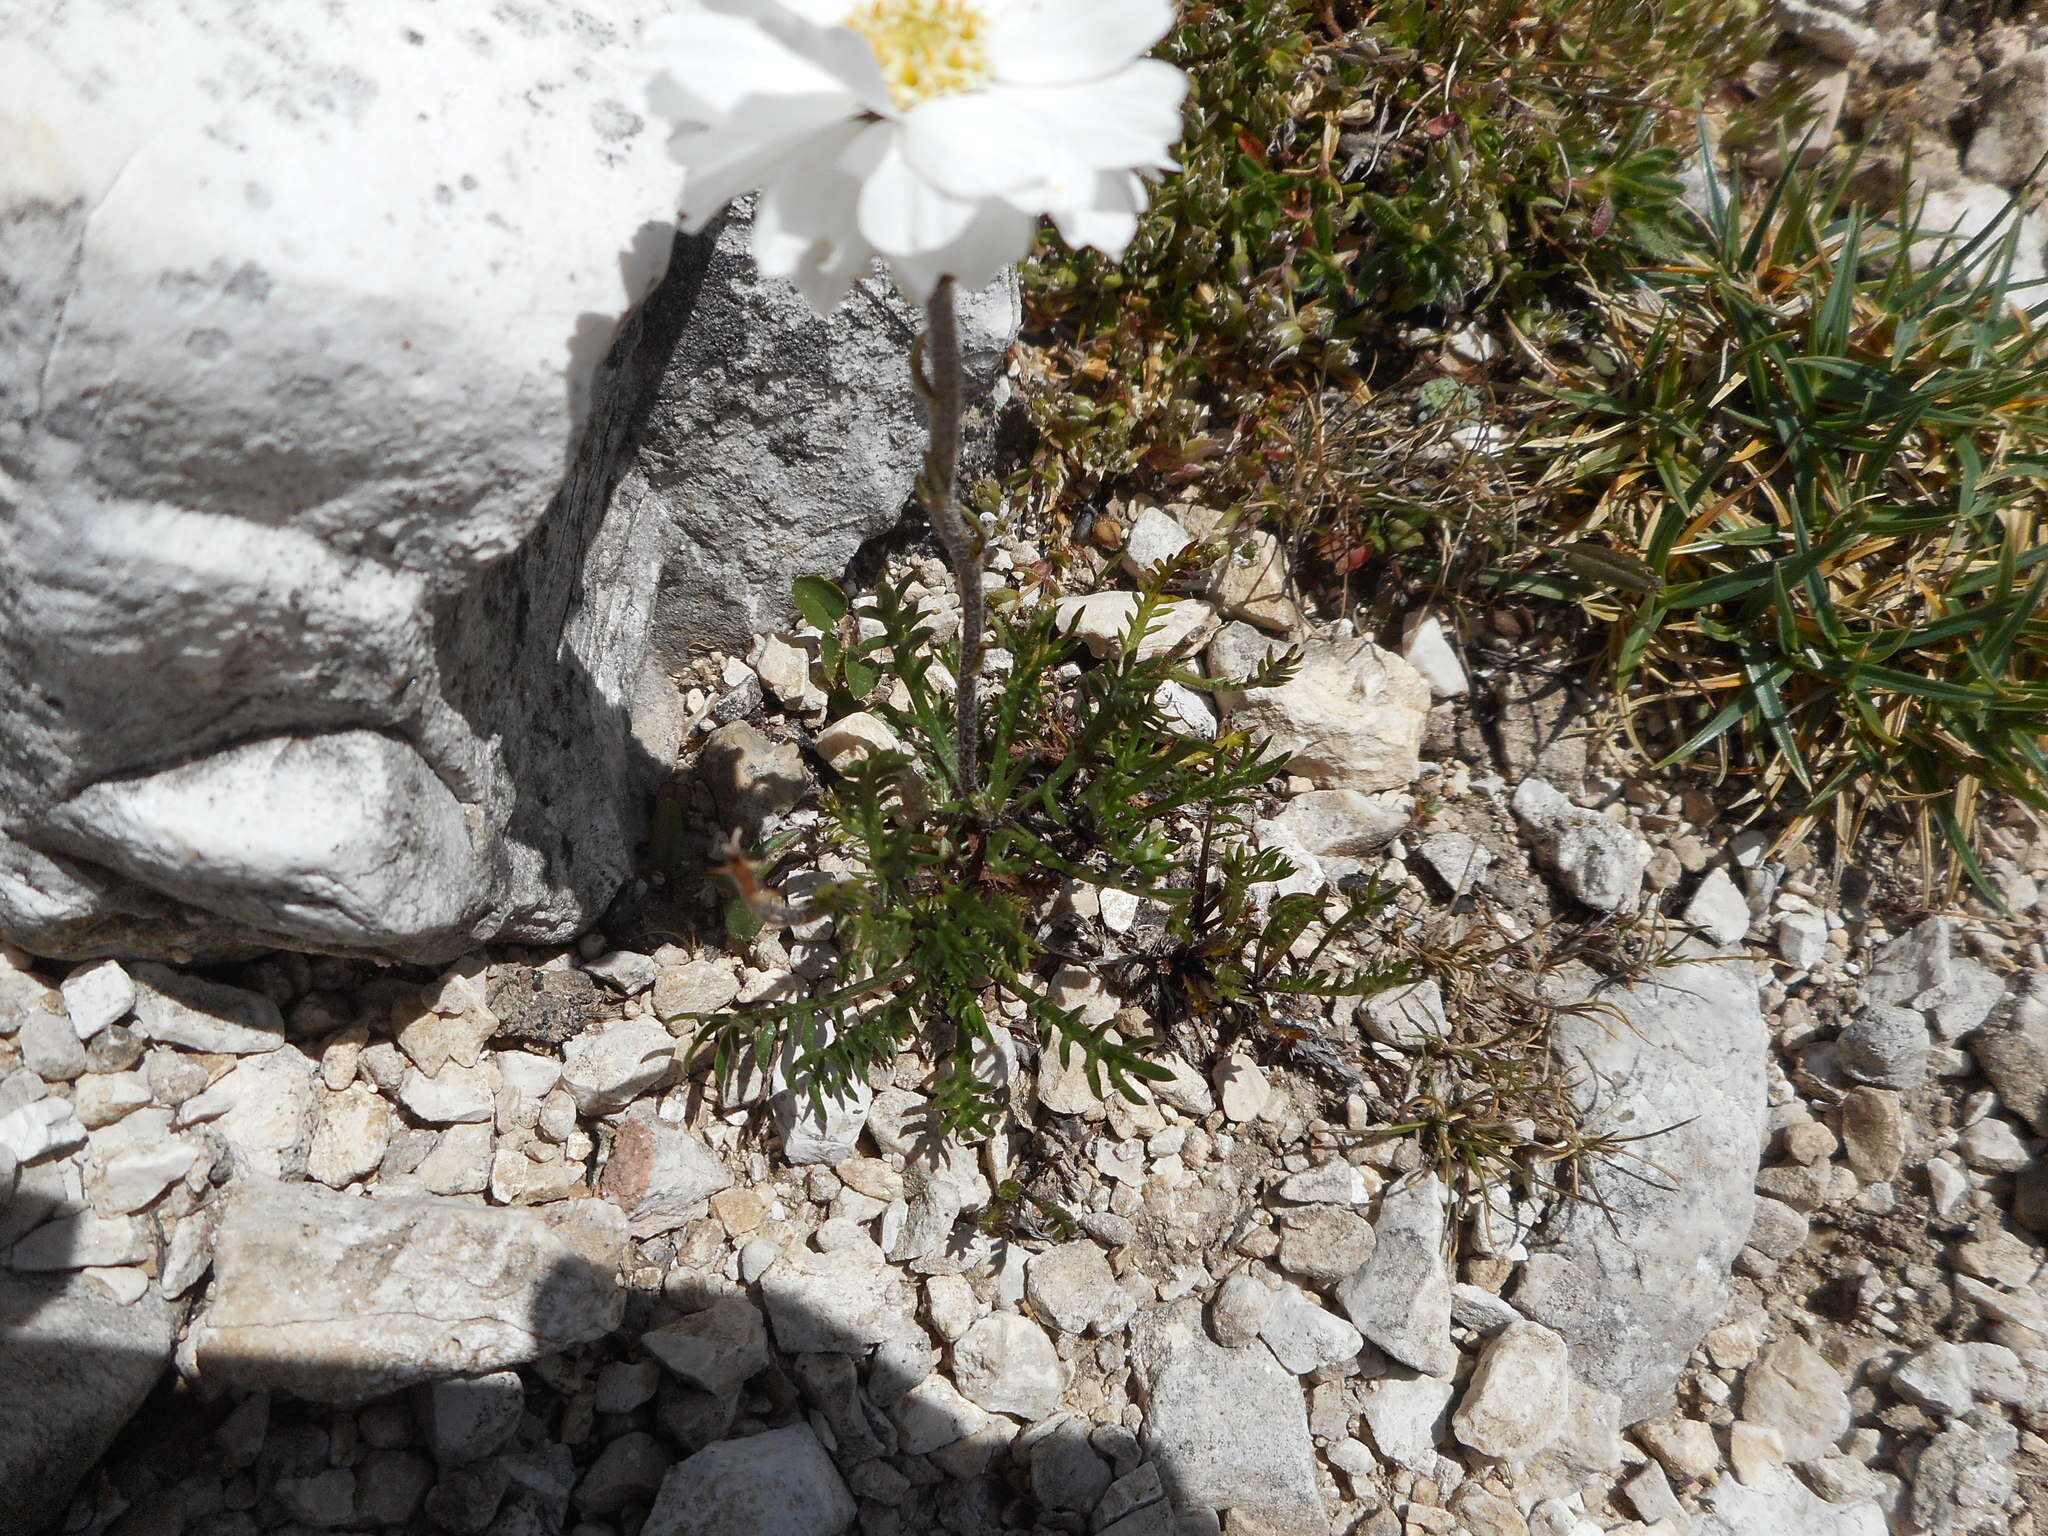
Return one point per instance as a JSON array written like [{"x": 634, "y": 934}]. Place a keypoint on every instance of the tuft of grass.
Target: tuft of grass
[
  {"x": 1808, "y": 506},
  {"x": 1493, "y": 1109}
]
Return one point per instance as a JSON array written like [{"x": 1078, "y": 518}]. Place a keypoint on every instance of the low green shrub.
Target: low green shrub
[
  {"x": 1807, "y": 498},
  {"x": 943, "y": 917},
  {"x": 1342, "y": 165}
]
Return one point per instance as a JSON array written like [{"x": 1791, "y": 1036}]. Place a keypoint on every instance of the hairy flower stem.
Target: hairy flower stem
[{"x": 935, "y": 366}]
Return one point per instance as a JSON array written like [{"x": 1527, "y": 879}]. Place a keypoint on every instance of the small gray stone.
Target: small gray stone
[
  {"x": 1408, "y": 1415},
  {"x": 324, "y": 1499},
  {"x": 1006, "y": 1364},
  {"x": 1354, "y": 1458},
  {"x": 606, "y": 1068},
  {"x": 824, "y": 1130},
  {"x": 1400, "y": 1298},
  {"x": 1685, "y": 1448},
  {"x": 625, "y": 971},
  {"x": 1303, "y": 1335},
  {"x": 455, "y": 1095},
  {"x": 1066, "y": 1474},
  {"x": 1073, "y": 1288},
  {"x": 1941, "y": 1378},
  {"x": 465, "y": 1500},
  {"x": 781, "y": 1483},
  {"x": 470, "y": 1418},
  {"x": 1481, "y": 1310},
  {"x": 40, "y": 1129},
  {"x": 391, "y": 1485},
  {"x": 1965, "y": 1478},
  {"x": 624, "y": 1385},
  {"x": 1884, "y": 1046},
  {"x": 1459, "y": 861},
  {"x": 1650, "y": 1492},
  {"x": 97, "y": 995},
  {"x": 1517, "y": 1399},
  {"x": 1131, "y": 1496},
  {"x": 1802, "y": 939},
  {"x": 627, "y": 1471},
  {"x": 457, "y": 1288},
  {"x": 1918, "y": 962},
  {"x": 50, "y": 1048},
  {"x": 1598, "y": 862},
  {"x": 1775, "y": 1503},
  {"x": 1405, "y": 1017},
  {"x": 1635, "y": 1281},
  {"x": 1792, "y": 1390},
  {"x": 78, "y": 1365},
  {"x": 1153, "y": 537},
  {"x": 175, "y": 1009},
  {"x": 1993, "y": 1146},
  {"x": 2015, "y": 1058},
  {"x": 81, "y": 1240},
  {"x": 1331, "y": 1183},
  {"x": 1227, "y": 1428},
  {"x": 831, "y": 1384},
  {"x": 1341, "y": 822},
  {"x": 1324, "y": 1244},
  {"x": 717, "y": 1350},
  {"x": 835, "y": 1303},
  {"x": 1779, "y": 1230},
  {"x": 1238, "y": 1311},
  {"x": 933, "y": 1415},
  {"x": 1718, "y": 908},
  {"x": 696, "y": 986}
]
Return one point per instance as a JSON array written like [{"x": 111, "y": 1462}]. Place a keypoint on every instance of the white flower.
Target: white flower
[{"x": 929, "y": 132}]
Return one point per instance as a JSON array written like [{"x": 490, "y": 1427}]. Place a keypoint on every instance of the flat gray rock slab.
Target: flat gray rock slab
[
  {"x": 1781, "y": 1505},
  {"x": 778, "y": 1484},
  {"x": 74, "y": 1367},
  {"x": 1227, "y": 1428},
  {"x": 340, "y": 1300},
  {"x": 1634, "y": 1287},
  {"x": 1400, "y": 1297}
]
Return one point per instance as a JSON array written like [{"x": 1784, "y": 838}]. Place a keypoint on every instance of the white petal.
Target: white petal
[
  {"x": 999, "y": 237},
  {"x": 804, "y": 226},
  {"x": 1130, "y": 121},
  {"x": 720, "y": 166},
  {"x": 1063, "y": 42},
  {"x": 824, "y": 13},
  {"x": 811, "y": 29},
  {"x": 1108, "y": 218},
  {"x": 985, "y": 143},
  {"x": 715, "y": 63},
  {"x": 901, "y": 213}
]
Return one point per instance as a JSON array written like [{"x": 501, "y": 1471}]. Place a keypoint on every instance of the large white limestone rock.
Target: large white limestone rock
[{"x": 365, "y": 454}]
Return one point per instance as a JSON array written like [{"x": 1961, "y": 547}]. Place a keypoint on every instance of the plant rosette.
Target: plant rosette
[{"x": 931, "y": 133}]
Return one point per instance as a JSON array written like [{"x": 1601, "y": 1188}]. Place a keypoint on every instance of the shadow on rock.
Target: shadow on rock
[{"x": 430, "y": 1363}]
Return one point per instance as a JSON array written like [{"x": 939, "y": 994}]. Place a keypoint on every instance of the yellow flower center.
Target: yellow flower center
[{"x": 927, "y": 48}]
